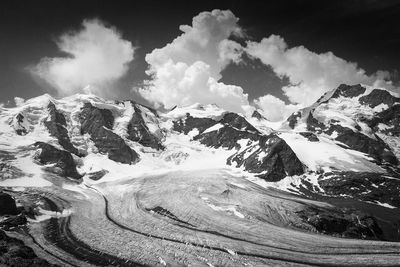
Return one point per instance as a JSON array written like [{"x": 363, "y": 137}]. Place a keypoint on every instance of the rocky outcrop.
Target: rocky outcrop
[
  {"x": 268, "y": 156},
  {"x": 343, "y": 223},
  {"x": 389, "y": 118},
  {"x": 226, "y": 137},
  {"x": 7, "y": 205},
  {"x": 271, "y": 157},
  {"x": 348, "y": 91},
  {"x": 365, "y": 186},
  {"x": 14, "y": 252},
  {"x": 375, "y": 147},
  {"x": 20, "y": 124},
  {"x": 377, "y": 97},
  {"x": 56, "y": 125},
  {"x": 257, "y": 115},
  {"x": 313, "y": 124},
  {"x": 355, "y": 138},
  {"x": 190, "y": 123},
  {"x": 310, "y": 136},
  {"x": 12, "y": 222},
  {"x": 98, "y": 124},
  {"x": 238, "y": 122},
  {"x": 234, "y": 128},
  {"x": 8, "y": 171},
  {"x": 63, "y": 163},
  {"x": 139, "y": 132},
  {"x": 292, "y": 120},
  {"x": 96, "y": 175}
]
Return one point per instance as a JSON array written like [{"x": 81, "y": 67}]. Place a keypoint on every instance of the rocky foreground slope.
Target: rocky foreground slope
[{"x": 345, "y": 147}]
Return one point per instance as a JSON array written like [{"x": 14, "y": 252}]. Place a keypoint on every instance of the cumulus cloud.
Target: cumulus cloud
[
  {"x": 187, "y": 70},
  {"x": 273, "y": 108},
  {"x": 97, "y": 57},
  {"x": 310, "y": 74}
]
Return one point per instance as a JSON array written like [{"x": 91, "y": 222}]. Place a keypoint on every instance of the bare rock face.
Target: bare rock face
[
  {"x": 64, "y": 164},
  {"x": 56, "y": 125},
  {"x": 7, "y": 205},
  {"x": 238, "y": 122},
  {"x": 348, "y": 91},
  {"x": 189, "y": 123},
  {"x": 310, "y": 136},
  {"x": 234, "y": 128},
  {"x": 271, "y": 157},
  {"x": 292, "y": 120},
  {"x": 20, "y": 124},
  {"x": 376, "y": 148},
  {"x": 389, "y": 118},
  {"x": 314, "y": 125},
  {"x": 97, "y": 175},
  {"x": 356, "y": 139},
  {"x": 377, "y": 97},
  {"x": 348, "y": 223},
  {"x": 139, "y": 132},
  {"x": 98, "y": 124},
  {"x": 13, "y": 221},
  {"x": 257, "y": 115},
  {"x": 365, "y": 186},
  {"x": 14, "y": 252}
]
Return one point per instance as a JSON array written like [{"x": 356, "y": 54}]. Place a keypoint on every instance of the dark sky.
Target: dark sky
[{"x": 366, "y": 32}]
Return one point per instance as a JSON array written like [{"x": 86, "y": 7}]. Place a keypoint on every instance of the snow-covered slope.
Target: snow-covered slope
[{"x": 349, "y": 131}]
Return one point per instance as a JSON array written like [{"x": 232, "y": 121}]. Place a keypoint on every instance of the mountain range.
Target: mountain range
[{"x": 344, "y": 148}]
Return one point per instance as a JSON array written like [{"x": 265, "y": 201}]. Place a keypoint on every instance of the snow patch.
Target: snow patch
[
  {"x": 216, "y": 127},
  {"x": 326, "y": 152}
]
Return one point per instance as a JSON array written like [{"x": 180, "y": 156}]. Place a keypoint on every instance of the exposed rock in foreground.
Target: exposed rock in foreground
[
  {"x": 371, "y": 187},
  {"x": 342, "y": 223},
  {"x": 7, "y": 205},
  {"x": 13, "y": 252},
  {"x": 64, "y": 164}
]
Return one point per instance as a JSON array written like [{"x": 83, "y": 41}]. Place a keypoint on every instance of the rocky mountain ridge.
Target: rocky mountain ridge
[
  {"x": 337, "y": 160},
  {"x": 349, "y": 131}
]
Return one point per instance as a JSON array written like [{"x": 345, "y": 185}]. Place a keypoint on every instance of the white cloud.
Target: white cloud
[
  {"x": 309, "y": 73},
  {"x": 187, "y": 70},
  {"x": 183, "y": 84},
  {"x": 19, "y": 101},
  {"x": 97, "y": 56},
  {"x": 273, "y": 108}
]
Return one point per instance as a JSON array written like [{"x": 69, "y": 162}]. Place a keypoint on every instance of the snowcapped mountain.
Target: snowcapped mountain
[
  {"x": 82, "y": 175},
  {"x": 350, "y": 136}
]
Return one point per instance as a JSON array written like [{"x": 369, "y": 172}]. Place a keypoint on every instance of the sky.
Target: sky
[{"x": 276, "y": 56}]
